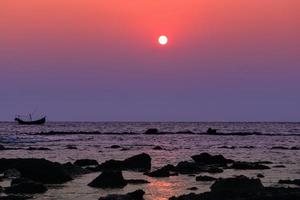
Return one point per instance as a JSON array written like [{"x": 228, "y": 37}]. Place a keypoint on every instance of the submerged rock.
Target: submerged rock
[
  {"x": 86, "y": 162},
  {"x": 39, "y": 170},
  {"x": 136, "y": 195},
  {"x": 109, "y": 179},
  {"x": 192, "y": 188},
  {"x": 157, "y": 148},
  {"x": 115, "y": 146},
  {"x": 138, "y": 162}
]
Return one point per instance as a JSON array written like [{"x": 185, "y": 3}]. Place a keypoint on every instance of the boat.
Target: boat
[{"x": 21, "y": 121}]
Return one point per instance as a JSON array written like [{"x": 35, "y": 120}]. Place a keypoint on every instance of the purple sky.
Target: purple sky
[{"x": 97, "y": 61}]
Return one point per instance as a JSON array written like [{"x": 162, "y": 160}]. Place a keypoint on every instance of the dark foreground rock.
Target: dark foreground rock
[
  {"x": 26, "y": 187},
  {"x": 74, "y": 170},
  {"x": 151, "y": 131},
  {"x": 136, "y": 195},
  {"x": 86, "y": 162},
  {"x": 205, "y": 178},
  {"x": 242, "y": 188},
  {"x": 15, "y": 197},
  {"x": 109, "y": 179},
  {"x": 140, "y": 162},
  {"x": 39, "y": 170}
]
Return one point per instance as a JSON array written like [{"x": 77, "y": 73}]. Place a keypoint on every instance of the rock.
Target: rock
[
  {"x": 151, "y": 131},
  {"x": 211, "y": 131},
  {"x": 2, "y": 147},
  {"x": 157, "y": 148},
  {"x": 227, "y": 147},
  {"x": 39, "y": 170},
  {"x": 279, "y": 166},
  {"x": 191, "y": 196},
  {"x": 109, "y": 179},
  {"x": 71, "y": 147},
  {"x": 237, "y": 185},
  {"x": 137, "y": 181},
  {"x": 213, "y": 170},
  {"x": 163, "y": 172},
  {"x": 74, "y": 170},
  {"x": 11, "y": 173},
  {"x": 260, "y": 176},
  {"x": 295, "y": 148},
  {"x": 294, "y": 182},
  {"x": 248, "y": 166},
  {"x": 38, "y": 149},
  {"x": 205, "y": 178},
  {"x": 192, "y": 188},
  {"x": 136, "y": 195},
  {"x": 280, "y": 148},
  {"x": 19, "y": 180},
  {"x": 15, "y": 197},
  {"x": 186, "y": 167},
  {"x": 207, "y": 159},
  {"x": 26, "y": 187},
  {"x": 141, "y": 162},
  {"x": 86, "y": 162},
  {"x": 115, "y": 146}
]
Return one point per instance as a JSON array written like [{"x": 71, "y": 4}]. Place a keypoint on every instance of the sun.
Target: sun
[{"x": 163, "y": 40}]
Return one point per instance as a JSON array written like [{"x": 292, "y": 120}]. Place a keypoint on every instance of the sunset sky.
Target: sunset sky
[{"x": 99, "y": 60}]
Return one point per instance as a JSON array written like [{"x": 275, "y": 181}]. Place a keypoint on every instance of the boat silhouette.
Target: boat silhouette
[{"x": 40, "y": 121}]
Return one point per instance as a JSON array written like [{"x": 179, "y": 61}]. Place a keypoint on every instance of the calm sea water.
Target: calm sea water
[{"x": 177, "y": 147}]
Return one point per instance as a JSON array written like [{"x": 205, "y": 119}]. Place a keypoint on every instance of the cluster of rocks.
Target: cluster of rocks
[{"x": 242, "y": 188}]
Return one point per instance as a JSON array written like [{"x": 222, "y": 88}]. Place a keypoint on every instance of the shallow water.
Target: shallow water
[{"x": 177, "y": 147}]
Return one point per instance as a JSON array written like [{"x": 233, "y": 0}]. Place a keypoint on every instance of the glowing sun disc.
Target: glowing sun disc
[{"x": 163, "y": 40}]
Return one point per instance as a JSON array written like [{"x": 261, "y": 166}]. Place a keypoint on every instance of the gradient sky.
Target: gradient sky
[{"x": 98, "y": 60}]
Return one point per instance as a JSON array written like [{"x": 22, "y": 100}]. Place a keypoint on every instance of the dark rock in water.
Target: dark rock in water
[
  {"x": 293, "y": 182},
  {"x": 137, "y": 181},
  {"x": 151, "y": 131},
  {"x": 140, "y": 162},
  {"x": 237, "y": 185},
  {"x": 227, "y": 147},
  {"x": 38, "y": 149},
  {"x": 2, "y": 147},
  {"x": 19, "y": 180},
  {"x": 248, "y": 166},
  {"x": 39, "y": 170},
  {"x": 109, "y": 179},
  {"x": 165, "y": 171},
  {"x": 157, "y": 148},
  {"x": 136, "y": 195},
  {"x": 71, "y": 147},
  {"x": 11, "y": 173},
  {"x": 125, "y": 149},
  {"x": 111, "y": 165},
  {"x": 207, "y": 159},
  {"x": 260, "y": 176},
  {"x": 266, "y": 194},
  {"x": 15, "y": 197},
  {"x": 86, "y": 162},
  {"x": 205, "y": 178},
  {"x": 280, "y": 148},
  {"x": 186, "y": 167},
  {"x": 26, "y": 187},
  {"x": 279, "y": 166},
  {"x": 192, "y": 188},
  {"x": 213, "y": 170},
  {"x": 74, "y": 170},
  {"x": 211, "y": 131},
  {"x": 115, "y": 146},
  {"x": 295, "y": 148}
]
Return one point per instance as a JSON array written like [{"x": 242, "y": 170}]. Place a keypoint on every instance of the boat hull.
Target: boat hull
[{"x": 35, "y": 122}]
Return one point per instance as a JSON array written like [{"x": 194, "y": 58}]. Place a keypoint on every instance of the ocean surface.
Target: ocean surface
[{"x": 176, "y": 148}]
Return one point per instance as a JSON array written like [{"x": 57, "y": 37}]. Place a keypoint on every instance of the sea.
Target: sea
[{"x": 278, "y": 142}]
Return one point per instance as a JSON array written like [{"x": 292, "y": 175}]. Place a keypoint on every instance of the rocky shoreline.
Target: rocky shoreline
[{"x": 33, "y": 176}]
